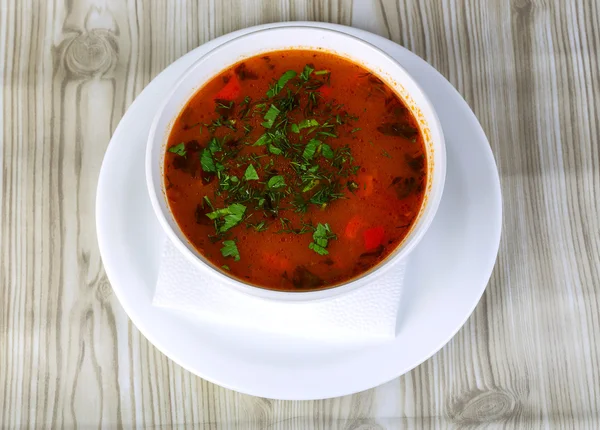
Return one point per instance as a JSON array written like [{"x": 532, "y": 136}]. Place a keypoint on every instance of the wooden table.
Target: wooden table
[{"x": 528, "y": 357}]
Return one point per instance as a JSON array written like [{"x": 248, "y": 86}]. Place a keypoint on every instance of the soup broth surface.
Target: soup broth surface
[{"x": 295, "y": 170}]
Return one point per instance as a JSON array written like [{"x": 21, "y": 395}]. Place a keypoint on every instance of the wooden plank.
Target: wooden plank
[
  {"x": 529, "y": 356},
  {"x": 530, "y": 72}
]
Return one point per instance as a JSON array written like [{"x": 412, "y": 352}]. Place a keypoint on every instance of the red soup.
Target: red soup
[{"x": 296, "y": 170}]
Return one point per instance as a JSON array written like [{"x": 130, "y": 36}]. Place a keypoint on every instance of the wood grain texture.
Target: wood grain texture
[{"x": 529, "y": 357}]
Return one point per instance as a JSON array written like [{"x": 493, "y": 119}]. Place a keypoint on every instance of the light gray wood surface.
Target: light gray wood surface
[{"x": 529, "y": 357}]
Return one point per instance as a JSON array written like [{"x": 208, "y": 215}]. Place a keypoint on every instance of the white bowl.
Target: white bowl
[{"x": 275, "y": 39}]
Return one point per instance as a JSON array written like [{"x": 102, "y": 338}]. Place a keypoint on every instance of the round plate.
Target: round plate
[{"x": 448, "y": 273}]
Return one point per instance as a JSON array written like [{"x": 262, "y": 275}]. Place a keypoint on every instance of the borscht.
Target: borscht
[{"x": 295, "y": 170}]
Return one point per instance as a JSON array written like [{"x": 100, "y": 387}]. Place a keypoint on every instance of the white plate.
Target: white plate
[{"x": 461, "y": 244}]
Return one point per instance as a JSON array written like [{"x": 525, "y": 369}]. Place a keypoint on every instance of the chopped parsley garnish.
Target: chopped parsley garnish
[
  {"x": 306, "y": 123},
  {"x": 178, "y": 149},
  {"x": 261, "y": 141},
  {"x": 321, "y": 238},
  {"x": 326, "y": 151},
  {"x": 274, "y": 150},
  {"x": 207, "y": 161},
  {"x": 270, "y": 116},
  {"x": 310, "y": 149},
  {"x": 278, "y": 86},
  {"x": 229, "y": 217},
  {"x": 250, "y": 174},
  {"x": 276, "y": 182},
  {"x": 305, "y": 75},
  {"x": 315, "y": 146},
  {"x": 214, "y": 145},
  {"x": 230, "y": 249},
  {"x": 275, "y": 155}
]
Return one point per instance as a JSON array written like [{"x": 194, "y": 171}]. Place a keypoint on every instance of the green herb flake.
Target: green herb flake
[
  {"x": 385, "y": 153},
  {"x": 311, "y": 148},
  {"x": 251, "y": 174},
  {"x": 270, "y": 116},
  {"x": 295, "y": 128},
  {"x": 278, "y": 86},
  {"x": 326, "y": 133},
  {"x": 310, "y": 185},
  {"x": 321, "y": 72},
  {"x": 208, "y": 203},
  {"x": 214, "y": 145},
  {"x": 305, "y": 75},
  {"x": 178, "y": 149},
  {"x": 207, "y": 161},
  {"x": 230, "y": 249},
  {"x": 274, "y": 150},
  {"x": 261, "y": 141},
  {"x": 321, "y": 238},
  {"x": 326, "y": 151},
  {"x": 232, "y": 216},
  {"x": 225, "y": 266},
  {"x": 276, "y": 182}
]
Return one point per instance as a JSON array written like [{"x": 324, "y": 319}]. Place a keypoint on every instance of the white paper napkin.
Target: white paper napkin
[{"x": 367, "y": 312}]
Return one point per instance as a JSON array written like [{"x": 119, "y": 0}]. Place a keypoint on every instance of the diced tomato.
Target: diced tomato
[
  {"x": 231, "y": 90},
  {"x": 355, "y": 224},
  {"x": 325, "y": 91},
  {"x": 373, "y": 237},
  {"x": 365, "y": 185}
]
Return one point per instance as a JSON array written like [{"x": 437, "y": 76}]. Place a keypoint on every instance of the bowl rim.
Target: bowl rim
[{"x": 403, "y": 249}]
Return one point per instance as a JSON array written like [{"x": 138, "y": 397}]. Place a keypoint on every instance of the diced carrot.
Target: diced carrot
[
  {"x": 373, "y": 237},
  {"x": 365, "y": 185},
  {"x": 231, "y": 90},
  {"x": 325, "y": 91},
  {"x": 355, "y": 224}
]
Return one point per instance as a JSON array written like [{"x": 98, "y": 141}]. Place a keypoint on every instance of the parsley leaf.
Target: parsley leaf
[
  {"x": 230, "y": 249},
  {"x": 326, "y": 133},
  {"x": 305, "y": 75},
  {"x": 274, "y": 150},
  {"x": 232, "y": 216},
  {"x": 227, "y": 182},
  {"x": 306, "y": 123},
  {"x": 310, "y": 149},
  {"x": 314, "y": 146},
  {"x": 270, "y": 116},
  {"x": 321, "y": 237},
  {"x": 207, "y": 161},
  {"x": 178, "y": 149},
  {"x": 262, "y": 140},
  {"x": 278, "y": 86},
  {"x": 250, "y": 174},
  {"x": 214, "y": 145},
  {"x": 276, "y": 182},
  {"x": 327, "y": 151}
]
